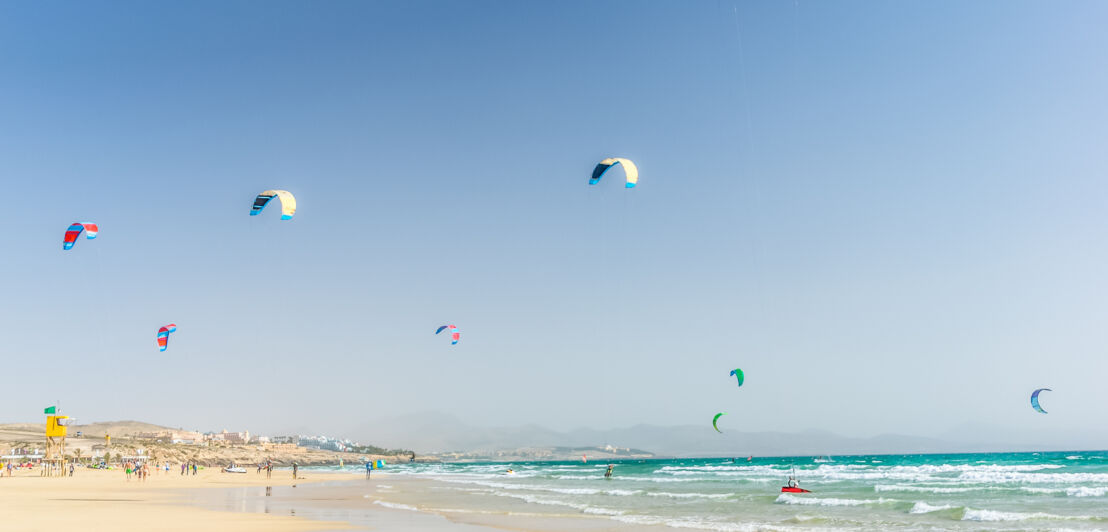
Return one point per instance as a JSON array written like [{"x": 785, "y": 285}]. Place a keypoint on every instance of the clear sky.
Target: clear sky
[{"x": 891, "y": 215}]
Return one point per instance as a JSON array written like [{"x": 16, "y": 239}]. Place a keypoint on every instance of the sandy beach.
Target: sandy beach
[
  {"x": 106, "y": 500},
  {"x": 315, "y": 501}
]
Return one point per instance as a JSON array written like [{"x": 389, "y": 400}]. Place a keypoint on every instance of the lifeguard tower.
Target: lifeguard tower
[{"x": 53, "y": 463}]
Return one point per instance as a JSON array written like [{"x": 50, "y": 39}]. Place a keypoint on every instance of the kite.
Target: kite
[
  {"x": 715, "y": 419},
  {"x": 1035, "y": 399},
  {"x": 738, "y": 374},
  {"x": 629, "y": 170},
  {"x": 288, "y": 203},
  {"x": 163, "y": 336},
  {"x": 455, "y": 335},
  {"x": 74, "y": 232}
]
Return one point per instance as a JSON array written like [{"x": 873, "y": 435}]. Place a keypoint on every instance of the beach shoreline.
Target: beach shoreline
[
  {"x": 374, "y": 504},
  {"x": 95, "y": 499},
  {"x": 971, "y": 492}
]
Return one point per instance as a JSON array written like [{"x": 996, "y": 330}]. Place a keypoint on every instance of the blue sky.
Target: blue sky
[{"x": 891, "y": 215}]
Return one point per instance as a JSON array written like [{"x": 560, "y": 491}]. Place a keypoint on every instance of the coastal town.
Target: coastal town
[
  {"x": 99, "y": 444},
  {"x": 103, "y": 444}
]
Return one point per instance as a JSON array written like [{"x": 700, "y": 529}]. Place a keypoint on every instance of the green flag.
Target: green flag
[{"x": 50, "y": 410}]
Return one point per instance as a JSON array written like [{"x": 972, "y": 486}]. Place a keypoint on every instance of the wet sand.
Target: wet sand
[{"x": 403, "y": 503}]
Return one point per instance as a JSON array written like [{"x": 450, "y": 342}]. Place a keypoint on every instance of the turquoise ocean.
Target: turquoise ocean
[{"x": 995, "y": 491}]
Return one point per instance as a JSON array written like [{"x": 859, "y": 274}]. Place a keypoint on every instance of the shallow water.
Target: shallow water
[{"x": 1001, "y": 491}]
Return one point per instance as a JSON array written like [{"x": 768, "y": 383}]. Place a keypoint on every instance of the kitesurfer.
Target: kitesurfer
[{"x": 608, "y": 473}]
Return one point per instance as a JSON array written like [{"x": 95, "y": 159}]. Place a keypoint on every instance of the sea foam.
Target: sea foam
[
  {"x": 690, "y": 495},
  {"x": 922, "y": 489},
  {"x": 396, "y": 506},
  {"x": 994, "y": 515},
  {"x": 924, "y": 508},
  {"x": 993, "y": 477},
  {"x": 1085, "y": 491},
  {"x": 788, "y": 498}
]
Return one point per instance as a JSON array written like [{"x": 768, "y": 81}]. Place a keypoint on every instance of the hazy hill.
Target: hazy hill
[
  {"x": 440, "y": 433},
  {"x": 115, "y": 428},
  {"x": 22, "y": 432},
  {"x": 37, "y": 431}
]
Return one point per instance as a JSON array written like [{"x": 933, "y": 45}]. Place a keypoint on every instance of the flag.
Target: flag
[{"x": 50, "y": 410}]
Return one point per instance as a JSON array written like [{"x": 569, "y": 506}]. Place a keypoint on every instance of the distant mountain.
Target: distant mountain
[
  {"x": 549, "y": 453},
  {"x": 436, "y": 432},
  {"x": 441, "y": 433},
  {"x": 1030, "y": 438}
]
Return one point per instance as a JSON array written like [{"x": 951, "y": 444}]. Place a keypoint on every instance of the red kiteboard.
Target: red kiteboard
[{"x": 786, "y": 489}]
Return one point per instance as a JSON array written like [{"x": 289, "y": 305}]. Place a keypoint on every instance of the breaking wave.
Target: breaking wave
[
  {"x": 994, "y": 515},
  {"x": 787, "y": 498}
]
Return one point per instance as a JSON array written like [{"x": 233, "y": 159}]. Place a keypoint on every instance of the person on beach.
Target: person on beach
[
  {"x": 368, "y": 468},
  {"x": 183, "y": 466},
  {"x": 71, "y": 469},
  {"x": 295, "y": 468},
  {"x": 194, "y": 469},
  {"x": 608, "y": 473},
  {"x": 268, "y": 469}
]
